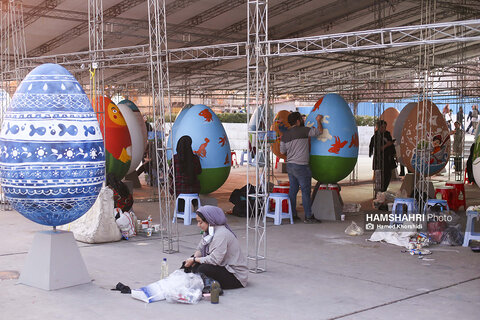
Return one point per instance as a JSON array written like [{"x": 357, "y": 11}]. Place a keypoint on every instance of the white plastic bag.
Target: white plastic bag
[
  {"x": 125, "y": 223},
  {"x": 354, "y": 230},
  {"x": 151, "y": 293},
  {"x": 177, "y": 287},
  {"x": 183, "y": 287}
]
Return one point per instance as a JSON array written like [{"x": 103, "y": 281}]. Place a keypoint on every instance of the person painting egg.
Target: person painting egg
[{"x": 187, "y": 168}]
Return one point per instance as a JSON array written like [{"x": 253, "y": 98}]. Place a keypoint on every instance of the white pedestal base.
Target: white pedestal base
[
  {"x": 54, "y": 262},
  {"x": 327, "y": 205}
]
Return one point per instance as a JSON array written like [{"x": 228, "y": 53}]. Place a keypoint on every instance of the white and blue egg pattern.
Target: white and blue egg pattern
[{"x": 52, "y": 157}]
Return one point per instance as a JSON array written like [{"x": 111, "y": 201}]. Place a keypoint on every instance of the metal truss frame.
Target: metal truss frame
[
  {"x": 378, "y": 39},
  {"x": 12, "y": 57},
  {"x": 258, "y": 101},
  {"x": 345, "y": 42},
  {"x": 159, "y": 77},
  {"x": 96, "y": 68}
]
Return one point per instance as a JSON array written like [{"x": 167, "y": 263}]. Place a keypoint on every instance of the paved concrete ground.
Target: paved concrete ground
[{"x": 313, "y": 272}]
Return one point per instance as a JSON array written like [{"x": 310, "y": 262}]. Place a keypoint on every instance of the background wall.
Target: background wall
[{"x": 237, "y": 134}]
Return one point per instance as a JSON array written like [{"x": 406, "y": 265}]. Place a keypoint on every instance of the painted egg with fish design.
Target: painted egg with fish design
[
  {"x": 209, "y": 142},
  {"x": 334, "y": 153},
  {"x": 118, "y": 143},
  {"x": 52, "y": 159}
]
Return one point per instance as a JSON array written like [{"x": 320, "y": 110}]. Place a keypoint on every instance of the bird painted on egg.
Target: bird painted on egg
[{"x": 117, "y": 139}]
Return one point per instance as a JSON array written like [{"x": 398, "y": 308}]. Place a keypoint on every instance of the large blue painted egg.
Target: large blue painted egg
[
  {"x": 209, "y": 142},
  {"x": 334, "y": 153},
  {"x": 52, "y": 159}
]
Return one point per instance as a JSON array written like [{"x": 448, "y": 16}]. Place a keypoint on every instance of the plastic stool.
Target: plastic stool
[
  {"x": 188, "y": 214},
  {"x": 459, "y": 195},
  {"x": 280, "y": 189},
  {"x": 447, "y": 193},
  {"x": 411, "y": 208},
  {"x": 244, "y": 154},
  {"x": 469, "y": 234},
  {"x": 234, "y": 162},
  {"x": 278, "y": 215},
  {"x": 432, "y": 202}
]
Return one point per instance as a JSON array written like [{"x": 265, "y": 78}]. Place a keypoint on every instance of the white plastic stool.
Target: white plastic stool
[
  {"x": 469, "y": 234},
  {"x": 246, "y": 156},
  {"x": 278, "y": 215},
  {"x": 188, "y": 214}
]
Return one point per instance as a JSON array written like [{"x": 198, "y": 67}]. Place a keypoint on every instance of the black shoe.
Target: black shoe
[
  {"x": 296, "y": 218},
  {"x": 312, "y": 220},
  {"x": 122, "y": 288}
]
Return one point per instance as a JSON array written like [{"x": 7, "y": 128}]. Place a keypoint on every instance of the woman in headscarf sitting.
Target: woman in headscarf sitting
[{"x": 218, "y": 255}]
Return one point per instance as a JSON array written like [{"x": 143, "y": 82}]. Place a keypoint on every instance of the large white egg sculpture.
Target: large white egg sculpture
[
  {"x": 52, "y": 159},
  {"x": 137, "y": 129}
]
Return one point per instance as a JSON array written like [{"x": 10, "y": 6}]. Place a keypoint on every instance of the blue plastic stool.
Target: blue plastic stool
[
  {"x": 469, "y": 234},
  {"x": 432, "y": 202},
  {"x": 278, "y": 215},
  {"x": 244, "y": 154},
  {"x": 411, "y": 208},
  {"x": 188, "y": 214}
]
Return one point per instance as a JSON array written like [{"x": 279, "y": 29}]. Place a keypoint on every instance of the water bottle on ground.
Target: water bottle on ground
[{"x": 164, "y": 272}]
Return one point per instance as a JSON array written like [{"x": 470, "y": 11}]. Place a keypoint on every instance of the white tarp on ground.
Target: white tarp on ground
[{"x": 398, "y": 238}]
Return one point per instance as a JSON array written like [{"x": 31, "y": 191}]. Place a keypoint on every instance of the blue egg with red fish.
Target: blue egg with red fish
[
  {"x": 52, "y": 159},
  {"x": 334, "y": 153},
  {"x": 209, "y": 142}
]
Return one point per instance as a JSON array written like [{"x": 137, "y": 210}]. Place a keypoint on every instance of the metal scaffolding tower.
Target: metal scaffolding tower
[
  {"x": 155, "y": 58},
  {"x": 162, "y": 118},
  {"x": 426, "y": 62},
  {"x": 95, "y": 67},
  {"x": 12, "y": 58},
  {"x": 257, "y": 100}
]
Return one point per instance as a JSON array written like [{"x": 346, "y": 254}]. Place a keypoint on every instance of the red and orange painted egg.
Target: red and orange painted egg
[{"x": 118, "y": 143}]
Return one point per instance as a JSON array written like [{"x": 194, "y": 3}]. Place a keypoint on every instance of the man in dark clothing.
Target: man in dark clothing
[
  {"x": 383, "y": 151},
  {"x": 470, "y": 177},
  {"x": 460, "y": 116},
  {"x": 295, "y": 146}
]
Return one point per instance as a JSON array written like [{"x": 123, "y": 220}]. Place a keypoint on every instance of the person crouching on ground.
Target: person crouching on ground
[
  {"x": 295, "y": 146},
  {"x": 122, "y": 198},
  {"x": 218, "y": 255}
]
